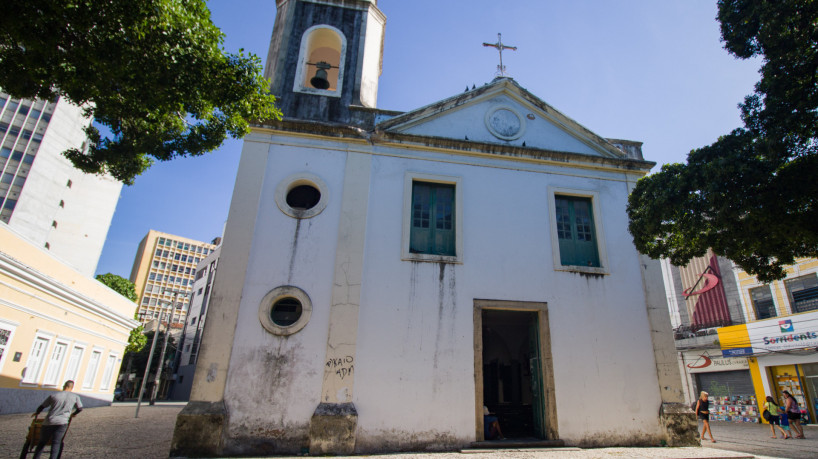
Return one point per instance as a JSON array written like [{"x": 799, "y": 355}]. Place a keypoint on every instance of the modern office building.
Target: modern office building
[
  {"x": 42, "y": 196},
  {"x": 165, "y": 265}
]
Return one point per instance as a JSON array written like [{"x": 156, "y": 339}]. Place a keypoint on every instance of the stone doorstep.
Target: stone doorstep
[
  {"x": 523, "y": 443},
  {"x": 519, "y": 450}
]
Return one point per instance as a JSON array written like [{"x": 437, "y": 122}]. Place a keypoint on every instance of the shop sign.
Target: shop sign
[
  {"x": 704, "y": 362},
  {"x": 780, "y": 334}
]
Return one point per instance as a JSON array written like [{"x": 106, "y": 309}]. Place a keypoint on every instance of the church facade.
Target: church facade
[{"x": 385, "y": 276}]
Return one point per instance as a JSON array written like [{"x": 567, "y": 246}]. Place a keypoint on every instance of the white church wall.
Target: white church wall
[
  {"x": 284, "y": 374},
  {"x": 415, "y": 352},
  {"x": 414, "y": 362}
]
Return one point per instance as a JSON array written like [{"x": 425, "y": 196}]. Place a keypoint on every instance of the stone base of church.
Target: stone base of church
[
  {"x": 332, "y": 429},
  {"x": 199, "y": 429},
  {"x": 679, "y": 424}
]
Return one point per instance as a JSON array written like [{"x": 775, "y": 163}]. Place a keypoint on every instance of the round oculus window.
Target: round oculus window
[
  {"x": 302, "y": 195},
  {"x": 285, "y": 310}
]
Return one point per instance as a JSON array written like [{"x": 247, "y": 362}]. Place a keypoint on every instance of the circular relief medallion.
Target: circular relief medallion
[{"x": 504, "y": 123}]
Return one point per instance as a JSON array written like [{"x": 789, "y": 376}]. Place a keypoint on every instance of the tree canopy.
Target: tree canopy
[
  {"x": 136, "y": 340},
  {"x": 119, "y": 284},
  {"x": 752, "y": 196},
  {"x": 152, "y": 72}
]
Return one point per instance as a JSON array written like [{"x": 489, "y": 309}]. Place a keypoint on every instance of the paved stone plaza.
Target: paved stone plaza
[{"x": 114, "y": 432}]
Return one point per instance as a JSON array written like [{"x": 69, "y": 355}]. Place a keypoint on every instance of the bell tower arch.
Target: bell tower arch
[{"x": 325, "y": 56}]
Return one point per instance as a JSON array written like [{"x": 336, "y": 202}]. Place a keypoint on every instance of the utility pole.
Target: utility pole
[
  {"x": 164, "y": 349},
  {"x": 147, "y": 367}
]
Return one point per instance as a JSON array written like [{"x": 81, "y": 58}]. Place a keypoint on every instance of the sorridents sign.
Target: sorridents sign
[
  {"x": 784, "y": 333},
  {"x": 709, "y": 361}
]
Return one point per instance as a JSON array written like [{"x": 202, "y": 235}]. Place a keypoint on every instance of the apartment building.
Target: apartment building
[
  {"x": 191, "y": 337},
  {"x": 165, "y": 265},
  {"x": 42, "y": 196}
]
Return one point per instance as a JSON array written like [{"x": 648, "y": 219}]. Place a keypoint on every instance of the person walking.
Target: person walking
[
  {"x": 703, "y": 413},
  {"x": 794, "y": 414},
  {"x": 774, "y": 417},
  {"x": 56, "y": 421}
]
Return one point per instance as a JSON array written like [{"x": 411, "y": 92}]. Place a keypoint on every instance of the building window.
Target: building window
[
  {"x": 285, "y": 310},
  {"x": 6, "y": 332},
  {"x": 54, "y": 223},
  {"x": 433, "y": 219},
  {"x": 803, "y": 293},
  {"x": 763, "y": 302},
  {"x": 91, "y": 371},
  {"x": 52, "y": 372},
  {"x": 321, "y": 61},
  {"x": 35, "y": 360},
  {"x": 74, "y": 360},
  {"x": 576, "y": 231},
  {"x": 299, "y": 196},
  {"x": 69, "y": 183},
  {"x": 107, "y": 375}
]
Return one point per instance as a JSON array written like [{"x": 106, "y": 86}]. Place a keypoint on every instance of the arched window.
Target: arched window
[{"x": 321, "y": 61}]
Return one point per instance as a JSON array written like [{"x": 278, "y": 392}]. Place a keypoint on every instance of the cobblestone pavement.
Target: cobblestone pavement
[
  {"x": 113, "y": 432},
  {"x": 105, "y": 432}
]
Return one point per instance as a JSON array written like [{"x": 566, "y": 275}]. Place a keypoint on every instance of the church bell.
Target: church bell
[{"x": 320, "y": 81}]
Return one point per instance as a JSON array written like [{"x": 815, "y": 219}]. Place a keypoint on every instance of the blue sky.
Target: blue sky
[{"x": 645, "y": 70}]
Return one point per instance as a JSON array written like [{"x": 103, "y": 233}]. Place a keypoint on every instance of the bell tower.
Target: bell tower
[{"x": 325, "y": 56}]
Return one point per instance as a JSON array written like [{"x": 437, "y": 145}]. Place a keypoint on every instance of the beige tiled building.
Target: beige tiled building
[{"x": 165, "y": 264}]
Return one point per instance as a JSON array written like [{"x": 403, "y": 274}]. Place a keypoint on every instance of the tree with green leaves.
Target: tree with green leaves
[
  {"x": 119, "y": 284},
  {"x": 126, "y": 288},
  {"x": 752, "y": 196},
  {"x": 151, "y": 72}
]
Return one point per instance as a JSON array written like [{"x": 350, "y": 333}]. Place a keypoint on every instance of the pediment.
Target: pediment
[{"x": 505, "y": 113}]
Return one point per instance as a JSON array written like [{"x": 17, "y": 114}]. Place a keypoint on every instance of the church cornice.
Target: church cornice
[{"x": 390, "y": 138}]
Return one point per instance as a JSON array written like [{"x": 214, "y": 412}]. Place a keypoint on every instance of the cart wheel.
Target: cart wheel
[{"x": 24, "y": 453}]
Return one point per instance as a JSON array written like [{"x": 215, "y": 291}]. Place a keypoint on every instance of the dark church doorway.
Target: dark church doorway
[{"x": 512, "y": 371}]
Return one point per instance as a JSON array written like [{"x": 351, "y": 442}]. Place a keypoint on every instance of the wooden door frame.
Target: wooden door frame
[{"x": 549, "y": 398}]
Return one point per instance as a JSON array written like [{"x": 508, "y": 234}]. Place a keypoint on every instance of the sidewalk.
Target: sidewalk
[{"x": 113, "y": 431}]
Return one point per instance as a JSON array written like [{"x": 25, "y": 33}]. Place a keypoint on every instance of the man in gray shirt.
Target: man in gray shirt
[{"x": 56, "y": 421}]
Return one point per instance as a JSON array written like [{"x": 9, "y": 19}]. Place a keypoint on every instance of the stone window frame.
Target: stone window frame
[
  {"x": 266, "y": 306},
  {"x": 294, "y": 180},
  {"x": 303, "y": 70},
  {"x": 599, "y": 231},
  {"x": 409, "y": 179}
]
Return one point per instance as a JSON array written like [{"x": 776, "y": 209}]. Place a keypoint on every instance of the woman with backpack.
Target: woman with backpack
[
  {"x": 703, "y": 412},
  {"x": 794, "y": 413},
  {"x": 773, "y": 415}
]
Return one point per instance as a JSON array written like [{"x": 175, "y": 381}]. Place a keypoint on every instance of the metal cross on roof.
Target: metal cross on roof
[{"x": 499, "y": 46}]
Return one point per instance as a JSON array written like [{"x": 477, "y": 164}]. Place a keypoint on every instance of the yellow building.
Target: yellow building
[
  {"x": 56, "y": 324},
  {"x": 165, "y": 264},
  {"x": 781, "y": 334}
]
